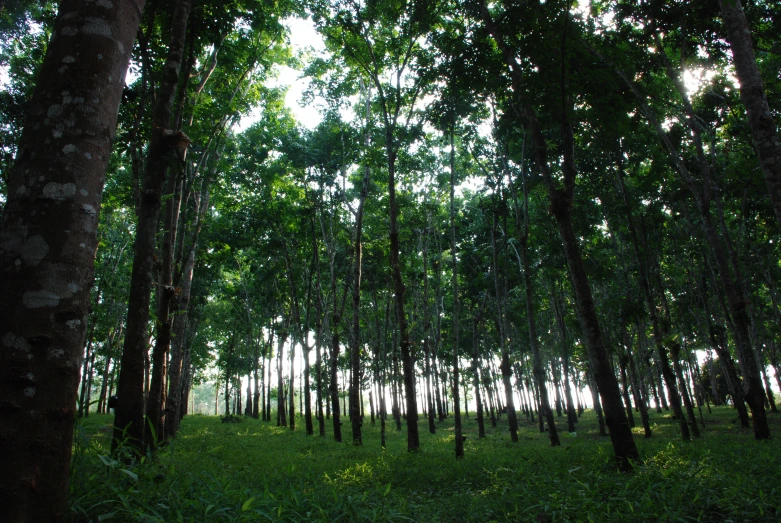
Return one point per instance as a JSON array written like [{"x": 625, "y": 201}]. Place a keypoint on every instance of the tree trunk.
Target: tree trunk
[
  {"x": 500, "y": 329},
  {"x": 408, "y": 364},
  {"x": 640, "y": 402},
  {"x": 572, "y": 416},
  {"x": 459, "y": 441},
  {"x": 752, "y": 93},
  {"x": 165, "y": 295},
  {"x": 623, "y": 362},
  {"x": 281, "y": 338},
  {"x": 476, "y": 365},
  {"x": 56, "y": 185},
  {"x": 660, "y": 332},
  {"x": 333, "y": 385},
  {"x": 182, "y": 308},
  {"x": 164, "y": 143},
  {"x": 597, "y": 405}
]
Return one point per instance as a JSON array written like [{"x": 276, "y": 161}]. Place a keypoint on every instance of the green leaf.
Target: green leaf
[
  {"x": 132, "y": 474},
  {"x": 247, "y": 504}
]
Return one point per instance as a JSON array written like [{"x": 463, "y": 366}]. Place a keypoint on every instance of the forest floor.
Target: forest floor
[{"x": 255, "y": 471}]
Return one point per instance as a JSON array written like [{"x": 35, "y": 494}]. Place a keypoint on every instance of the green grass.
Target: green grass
[{"x": 254, "y": 471}]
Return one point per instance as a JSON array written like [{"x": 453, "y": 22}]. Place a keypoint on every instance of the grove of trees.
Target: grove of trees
[{"x": 503, "y": 205}]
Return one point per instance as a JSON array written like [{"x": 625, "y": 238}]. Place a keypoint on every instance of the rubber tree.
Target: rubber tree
[{"x": 48, "y": 240}]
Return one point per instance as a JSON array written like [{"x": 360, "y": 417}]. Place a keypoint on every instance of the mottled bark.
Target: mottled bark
[{"x": 48, "y": 240}]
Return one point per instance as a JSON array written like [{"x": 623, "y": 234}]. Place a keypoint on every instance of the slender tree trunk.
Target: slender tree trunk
[
  {"x": 408, "y": 364},
  {"x": 164, "y": 141},
  {"x": 476, "y": 365},
  {"x": 572, "y": 417},
  {"x": 459, "y": 441},
  {"x": 268, "y": 370},
  {"x": 334, "y": 380},
  {"x": 638, "y": 392},
  {"x": 752, "y": 93},
  {"x": 182, "y": 308},
  {"x": 660, "y": 332},
  {"x": 165, "y": 294},
  {"x": 500, "y": 328},
  {"x": 622, "y": 364},
  {"x": 597, "y": 405},
  {"x": 281, "y": 338},
  {"x": 291, "y": 384}
]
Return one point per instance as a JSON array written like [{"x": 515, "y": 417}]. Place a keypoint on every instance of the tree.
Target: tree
[
  {"x": 47, "y": 246},
  {"x": 167, "y": 147},
  {"x": 752, "y": 92}
]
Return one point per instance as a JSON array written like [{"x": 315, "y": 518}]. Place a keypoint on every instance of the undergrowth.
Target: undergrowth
[{"x": 255, "y": 471}]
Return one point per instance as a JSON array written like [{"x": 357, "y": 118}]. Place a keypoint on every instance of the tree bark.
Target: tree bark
[{"x": 46, "y": 273}]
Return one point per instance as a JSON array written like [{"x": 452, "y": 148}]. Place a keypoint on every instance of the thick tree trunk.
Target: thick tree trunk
[
  {"x": 164, "y": 143},
  {"x": 46, "y": 274},
  {"x": 752, "y": 93}
]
